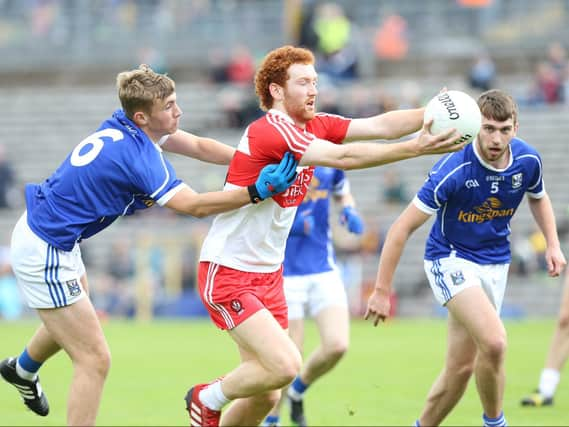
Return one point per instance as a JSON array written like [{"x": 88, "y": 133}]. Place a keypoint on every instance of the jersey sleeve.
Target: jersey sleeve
[
  {"x": 155, "y": 176},
  {"x": 265, "y": 142},
  {"x": 438, "y": 187},
  {"x": 536, "y": 188},
  {"x": 330, "y": 127},
  {"x": 340, "y": 183}
]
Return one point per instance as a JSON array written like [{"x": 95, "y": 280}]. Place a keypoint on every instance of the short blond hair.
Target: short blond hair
[
  {"x": 141, "y": 87},
  {"x": 274, "y": 69}
]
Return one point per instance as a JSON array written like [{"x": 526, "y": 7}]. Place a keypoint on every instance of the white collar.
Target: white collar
[
  {"x": 488, "y": 165},
  {"x": 281, "y": 114}
]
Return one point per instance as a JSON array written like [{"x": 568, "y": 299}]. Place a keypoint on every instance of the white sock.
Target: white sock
[
  {"x": 212, "y": 396},
  {"x": 548, "y": 382},
  {"x": 294, "y": 395},
  {"x": 22, "y": 373}
]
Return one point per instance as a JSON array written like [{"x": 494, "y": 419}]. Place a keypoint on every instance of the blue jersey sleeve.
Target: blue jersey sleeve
[
  {"x": 440, "y": 185},
  {"x": 536, "y": 186},
  {"x": 156, "y": 177},
  {"x": 340, "y": 184}
]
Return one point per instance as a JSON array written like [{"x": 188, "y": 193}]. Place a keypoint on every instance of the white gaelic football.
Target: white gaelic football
[{"x": 454, "y": 109}]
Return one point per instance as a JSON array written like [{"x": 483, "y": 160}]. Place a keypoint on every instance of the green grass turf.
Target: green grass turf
[{"x": 383, "y": 380}]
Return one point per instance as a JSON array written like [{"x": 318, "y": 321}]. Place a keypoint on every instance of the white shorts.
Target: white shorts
[
  {"x": 449, "y": 276},
  {"x": 48, "y": 277},
  {"x": 313, "y": 292}
]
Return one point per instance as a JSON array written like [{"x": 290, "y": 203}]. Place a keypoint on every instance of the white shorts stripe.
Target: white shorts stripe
[
  {"x": 48, "y": 270},
  {"x": 450, "y": 276},
  {"x": 48, "y": 277}
]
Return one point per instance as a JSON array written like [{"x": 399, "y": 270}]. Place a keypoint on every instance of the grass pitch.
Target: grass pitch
[{"x": 382, "y": 381}]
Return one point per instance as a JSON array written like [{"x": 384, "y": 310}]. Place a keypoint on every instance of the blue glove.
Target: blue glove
[
  {"x": 274, "y": 179},
  {"x": 350, "y": 217}
]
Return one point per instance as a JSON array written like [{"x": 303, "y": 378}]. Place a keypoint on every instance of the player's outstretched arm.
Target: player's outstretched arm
[
  {"x": 360, "y": 155},
  {"x": 379, "y": 305},
  {"x": 201, "y": 148},
  {"x": 542, "y": 211},
  {"x": 390, "y": 125},
  {"x": 273, "y": 179}
]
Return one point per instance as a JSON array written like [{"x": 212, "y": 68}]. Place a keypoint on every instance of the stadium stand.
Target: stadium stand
[{"x": 58, "y": 85}]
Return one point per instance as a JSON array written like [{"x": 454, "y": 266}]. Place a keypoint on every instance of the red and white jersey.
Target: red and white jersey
[{"x": 253, "y": 237}]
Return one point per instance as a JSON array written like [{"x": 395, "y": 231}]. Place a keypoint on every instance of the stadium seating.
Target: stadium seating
[{"x": 41, "y": 125}]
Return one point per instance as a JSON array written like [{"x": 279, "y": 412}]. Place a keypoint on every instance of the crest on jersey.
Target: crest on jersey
[
  {"x": 457, "y": 278},
  {"x": 74, "y": 288},
  {"x": 236, "y": 306},
  {"x": 517, "y": 180}
]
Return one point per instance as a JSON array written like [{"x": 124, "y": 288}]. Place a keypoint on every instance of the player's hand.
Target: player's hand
[
  {"x": 354, "y": 222},
  {"x": 555, "y": 261},
  {"x": 378, "y": 306},
  {"x": 275, "y": 179},
  {"x": 444, "y": 142}
]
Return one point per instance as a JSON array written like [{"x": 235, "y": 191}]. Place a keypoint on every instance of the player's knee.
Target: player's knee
[
  {"x": 463, "y": 370},
  {"x": 98, "y": 360},
  {"x": 494, "y": 347},
  {"x": 288, "y": 370}
]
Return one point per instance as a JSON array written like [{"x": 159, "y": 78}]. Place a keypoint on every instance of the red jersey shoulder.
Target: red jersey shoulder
[{"x": 331, "y": 127}]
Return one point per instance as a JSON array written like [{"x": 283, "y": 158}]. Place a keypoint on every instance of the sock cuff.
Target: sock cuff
[
  {"x": 499, "y": 421},
  {"x": 551, "y": 373},
  {"x": 298, "y": 385},
  {"x": 27, "y": 363},
  {"x": 272, "y": 419}
]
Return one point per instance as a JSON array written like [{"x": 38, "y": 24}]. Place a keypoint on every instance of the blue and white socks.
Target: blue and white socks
[
  {"x": 271, "y": 420},
  {"x": 297, "y": 389},
  {"x": 499, "y": 421},
  {"x": 26, "y": 367}
]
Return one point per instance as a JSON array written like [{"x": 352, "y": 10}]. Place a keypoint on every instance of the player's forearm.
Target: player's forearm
[
  {"x": 399, "y": 123},
  {"x": 365, "y": 155},
  {"x": 542, "y": 211},
  {"x": 205, "y": 149},
  {"x": 213, "y": 151},
  {"x": 388, "y": 261},
  {"x": 390, "y": 125},
  {"x": 205, "y": 204}
]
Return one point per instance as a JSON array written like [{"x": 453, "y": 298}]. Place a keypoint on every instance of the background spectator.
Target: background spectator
[
  {"x": 482, "y": 74},
  {"x": 7, "y": 180}
]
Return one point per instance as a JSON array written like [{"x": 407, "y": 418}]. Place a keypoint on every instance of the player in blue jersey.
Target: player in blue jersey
[
  {"x": 313, "y": 284},
  {"x": 556, "y": 357},
  {"x": 474, "y": 193},
  {"x": 113, "y": 172}
]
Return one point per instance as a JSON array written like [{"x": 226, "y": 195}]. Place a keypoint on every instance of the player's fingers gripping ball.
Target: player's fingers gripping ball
[
  {"x": 454, "y": 109},
  {"x": 354, "y": 222}
]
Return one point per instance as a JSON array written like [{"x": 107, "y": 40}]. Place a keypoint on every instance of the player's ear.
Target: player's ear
[
  {"x": 276, "y": 91},
  {"x": 140, "y": 118}
]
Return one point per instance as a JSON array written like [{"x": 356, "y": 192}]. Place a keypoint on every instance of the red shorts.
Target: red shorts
[{"x": 232, "y": 296}]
